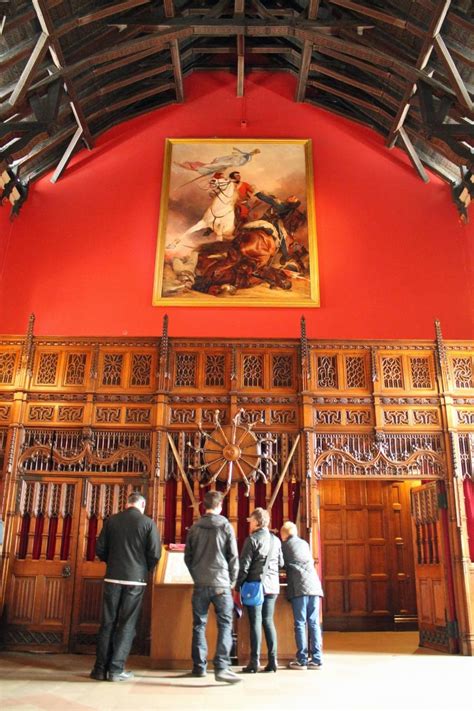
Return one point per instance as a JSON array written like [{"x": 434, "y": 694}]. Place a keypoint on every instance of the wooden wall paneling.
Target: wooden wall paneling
[{"x": 455, "y": 375}]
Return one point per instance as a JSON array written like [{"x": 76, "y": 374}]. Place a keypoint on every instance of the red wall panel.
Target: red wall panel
[{"x": 393, "y": 254}]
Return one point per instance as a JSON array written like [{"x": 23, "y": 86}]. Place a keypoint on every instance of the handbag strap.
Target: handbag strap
[{"x": 267, "y": 562}]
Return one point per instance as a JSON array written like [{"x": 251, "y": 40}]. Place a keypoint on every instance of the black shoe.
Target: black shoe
[
  {"x": 271, "y": 667},
  {"x": 251, "y": 668},
  {"x": 98, "y": 675},
  {"x": 199, "y": 672},
  {"x": 122, "y": 676}
]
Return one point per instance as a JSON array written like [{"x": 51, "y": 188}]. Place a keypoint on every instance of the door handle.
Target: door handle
[{"x": 66, "y": 571}]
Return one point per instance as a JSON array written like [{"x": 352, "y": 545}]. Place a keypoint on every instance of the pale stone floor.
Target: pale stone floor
[{"x": 383, "y": 671}]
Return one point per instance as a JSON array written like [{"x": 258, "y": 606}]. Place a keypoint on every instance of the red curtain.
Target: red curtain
[
  {"x": 38, "y": 537},
  {"x": 469, "y": 501},
  {"x": 52, "y": 530},
  {"x": 91, "y": 538},
  {"x": 66, "y": 539},
  {"x": 170, "y": 511}
]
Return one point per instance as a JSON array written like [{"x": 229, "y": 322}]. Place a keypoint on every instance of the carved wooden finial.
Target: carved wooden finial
[
  {"x": 441, "y": 359},
  {"x": 164, "y": 348},
  {"x": 29, "y": 345},
  {"x": 305, "y": 359}
]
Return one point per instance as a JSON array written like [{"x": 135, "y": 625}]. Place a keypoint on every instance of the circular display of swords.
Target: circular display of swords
[{"x": 232, "y": 452}]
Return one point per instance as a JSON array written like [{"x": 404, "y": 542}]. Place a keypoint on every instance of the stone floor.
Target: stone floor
[{"x": 362, "y": 672}]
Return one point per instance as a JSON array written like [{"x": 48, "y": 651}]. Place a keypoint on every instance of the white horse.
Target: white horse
[{"x": 220, "y": 215}]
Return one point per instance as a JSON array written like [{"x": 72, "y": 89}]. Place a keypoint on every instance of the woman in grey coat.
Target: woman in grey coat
[{"x": 260, "y": 544}]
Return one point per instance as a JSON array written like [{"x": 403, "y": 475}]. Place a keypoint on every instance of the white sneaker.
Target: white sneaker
[
  {"x": 314, "y": 665},
  {"x": 295, "y": 664},
  {"x": 227, "y": 675}
]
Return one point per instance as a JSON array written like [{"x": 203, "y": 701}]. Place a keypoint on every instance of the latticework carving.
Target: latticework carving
[
  {"x": 215, "y": 370},
  {"x": 420, "y": 373},
  {"x": 327, "y": 371},
  {"x": 182, "y": 416},
  {"x": 282, "y": 371},
  {"x": 282, "y": 417},
  {"x": 108, "y": 414},
  {"x": 328, "y": 417},
  {"x": 466, "y": 454},
  {"x": 41, "y": 413},
  {"x": 208, "y": 415},
  {"x": 425, "y": 417},
  {"x": 70, "y": 414},
  {"x": 252, "y": 416},
  {"x": 253, "y": 371},
  {"x": 112, "y": 373},
  {"x": 392, "y": 372},
  {"x": 137, "y": 415},
  {"x": 47, "y": 368},
  {"x": 74, "y": 450},
  {"x": 465, "y": 417},
  {"x": 395, "y": 417},
  {"x": 355, "y": 372},
  {"x": 185, "y": 371},
  {"x": 141, "y": 369},
  {"x": 7, "y": 368},
  {"x": 358, "y": 417},
  {"x": 340, "y": 463},
  {"x": 462, "y": 371},
  {"x": 75, "y": 369},
  {"x": 5, "y": 412}
]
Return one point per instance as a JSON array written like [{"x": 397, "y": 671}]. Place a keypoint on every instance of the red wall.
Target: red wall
[{"x": 393, "y": 254}]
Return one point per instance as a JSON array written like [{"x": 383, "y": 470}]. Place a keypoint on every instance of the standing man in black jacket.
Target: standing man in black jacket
[
  {"x": 304, "y": 592},
  {"x": 213, "y": 561},
  {"x": 130, "y": 545}
]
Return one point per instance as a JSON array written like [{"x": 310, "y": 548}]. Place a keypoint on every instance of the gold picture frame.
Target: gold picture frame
[{"x": 237, "y": 224}]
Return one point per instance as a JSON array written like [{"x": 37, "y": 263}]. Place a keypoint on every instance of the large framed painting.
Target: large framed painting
[{"x": 237, "y": 224}]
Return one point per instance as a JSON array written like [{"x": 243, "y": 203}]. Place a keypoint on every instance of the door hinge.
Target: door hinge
[
  {"x": 442, "y": 500},
  {"x": 452, "y": 629}
]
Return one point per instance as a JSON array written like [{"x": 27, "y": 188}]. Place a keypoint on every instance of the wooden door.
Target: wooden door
[
  {"x": 366, "y": 555},
  {"x": 435, "y": 618},
  {"x": 40, "y": 590},
  {"x": 102, "y": 498}
]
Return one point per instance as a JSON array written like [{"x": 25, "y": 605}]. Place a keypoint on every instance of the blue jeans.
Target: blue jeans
[
  {"x": 306, "y": 615},
  {"x": 258, "y": 615},
  {"x": 221, "y": 598}
]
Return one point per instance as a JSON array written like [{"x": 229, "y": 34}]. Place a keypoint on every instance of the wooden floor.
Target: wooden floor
[{"x": 365, "y": 671}]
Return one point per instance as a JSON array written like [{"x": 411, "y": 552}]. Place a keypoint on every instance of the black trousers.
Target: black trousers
[{"x": 120, "y": 612}]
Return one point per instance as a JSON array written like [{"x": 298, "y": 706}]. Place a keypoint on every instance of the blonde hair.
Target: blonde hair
[
  {"x": 289, "y": 528},
  {"x": 261, "y": 516}
]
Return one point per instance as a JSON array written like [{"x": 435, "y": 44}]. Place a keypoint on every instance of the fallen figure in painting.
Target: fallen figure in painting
[{"x": 249, "y": 259}]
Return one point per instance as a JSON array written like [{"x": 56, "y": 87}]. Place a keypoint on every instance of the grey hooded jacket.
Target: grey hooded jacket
[
  {"x": 211, "y": 553},
  {"x": 302, "y": 578}
]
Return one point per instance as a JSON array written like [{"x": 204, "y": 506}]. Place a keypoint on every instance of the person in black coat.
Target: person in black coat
[
  {"x": 304, "y": 591},
  {"x": 130, "y": 545},
  {"x": 257, "y": 547}
]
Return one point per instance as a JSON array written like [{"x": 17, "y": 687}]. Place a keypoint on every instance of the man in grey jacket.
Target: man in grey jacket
[
  {"x": 212, "y": 559},
  {"x": 304, "y": 592}
]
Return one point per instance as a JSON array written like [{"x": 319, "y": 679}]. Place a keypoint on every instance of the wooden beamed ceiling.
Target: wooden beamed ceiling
[{"x": 71, "y": 69}]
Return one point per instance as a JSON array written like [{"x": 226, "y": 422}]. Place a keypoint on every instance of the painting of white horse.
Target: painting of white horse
[{"x": 237, "y": 224}]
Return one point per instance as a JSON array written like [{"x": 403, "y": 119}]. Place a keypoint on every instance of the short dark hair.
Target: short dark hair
[
  {"x": 234, "y": 173},
  {"x": 212, "y": 499},
  {"x": 135, "y": 497}
]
